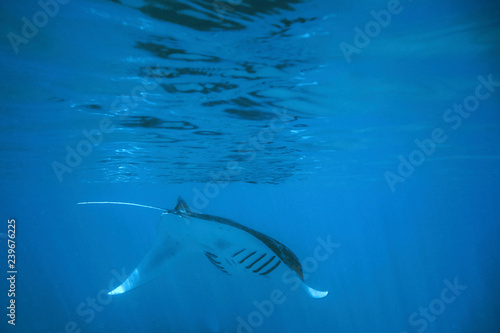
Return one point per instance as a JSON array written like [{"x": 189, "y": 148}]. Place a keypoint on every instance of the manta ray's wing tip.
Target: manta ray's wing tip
[
  {"x": 316, "y": 293},
  {"x": 117, "y": 291}
]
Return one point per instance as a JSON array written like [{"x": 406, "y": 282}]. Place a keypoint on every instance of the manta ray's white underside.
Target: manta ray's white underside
[{"x": 232, "y": 248}]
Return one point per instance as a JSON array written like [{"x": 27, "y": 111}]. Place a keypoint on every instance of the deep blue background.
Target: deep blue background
[{"x": 351, "y": 122}]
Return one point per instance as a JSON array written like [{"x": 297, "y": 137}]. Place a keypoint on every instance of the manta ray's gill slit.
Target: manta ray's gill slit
[
  {"x": 250, "y": 266},
  {"x": 215, "y": 262},
  {"x": 234, "y": 255},
  {"x": 220, "y": 268},
  {"x": 211, "y": 254},
  {"x": 271, "y": 269},
  {"x": 223, "y": 270},
  {"x": 248, "y": 256},
  {"x": 265, "y": 264}
]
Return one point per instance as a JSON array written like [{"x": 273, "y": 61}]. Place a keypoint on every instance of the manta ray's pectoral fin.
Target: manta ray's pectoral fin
[{"x": 155, "y": 263}]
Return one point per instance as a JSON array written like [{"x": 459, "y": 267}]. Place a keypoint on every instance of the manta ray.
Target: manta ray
[{"x": 230, "y": 247}]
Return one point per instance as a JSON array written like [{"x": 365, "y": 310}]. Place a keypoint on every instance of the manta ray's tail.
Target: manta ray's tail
[{"x": 122, "y": 203}]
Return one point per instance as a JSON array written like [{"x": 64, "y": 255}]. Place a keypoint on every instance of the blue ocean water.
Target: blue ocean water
[{"x": 371, "y": 127}]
